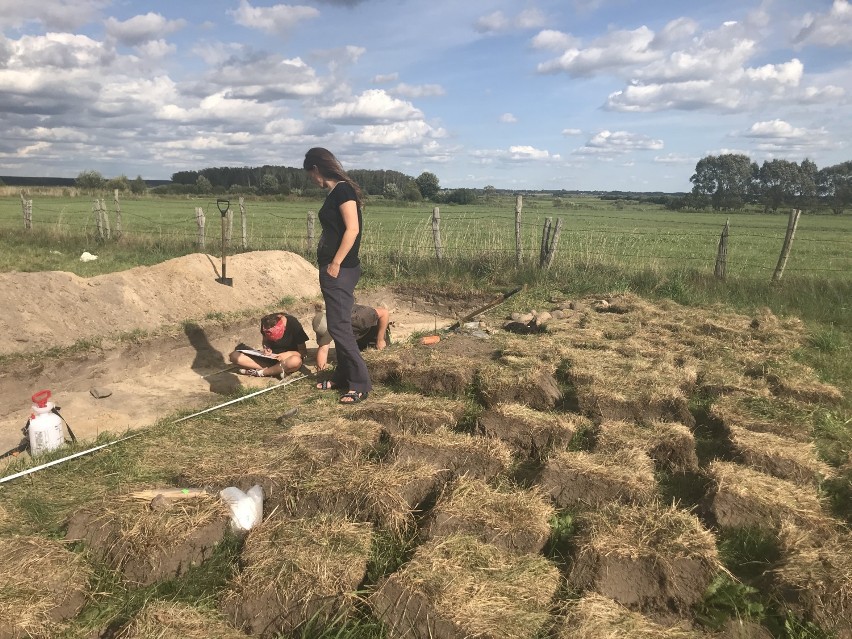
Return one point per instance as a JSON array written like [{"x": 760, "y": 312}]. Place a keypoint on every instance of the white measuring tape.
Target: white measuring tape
[{"x": 34, "y": 469}]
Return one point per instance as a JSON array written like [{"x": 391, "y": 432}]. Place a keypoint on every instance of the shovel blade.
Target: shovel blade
[{"x": 227, "y": 281}]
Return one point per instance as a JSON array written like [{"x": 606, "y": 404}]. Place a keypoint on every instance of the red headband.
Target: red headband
[{"x": 276, "y": 332}]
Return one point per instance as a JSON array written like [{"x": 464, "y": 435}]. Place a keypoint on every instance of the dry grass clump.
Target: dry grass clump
[
  {"x": 612, "y": 386},
  {"x": 521, "y": 380},
  {"x": 385, "y": 494},
  {"x": 778, "y": 456},
  {"x": 818, "y": 571},
  {"x": 646, "y": 557},
  {"x": 296, "y": 570},
  {"x": 589, "y": 479},
  {"x": 669, "y": 444},
  {"x": 741, "y": 496},
  {"x": 528, "y": 430},
  {"x": 454, "y": 453},
  {"x": 796, "y": 381},
  {"x": 332, "y": 439},
  {"x": 457, "y": 586},
  {"x": 148, "y": 544},
  {"x": 515, "y": 520},
  {"x": 42, "y": 584},
  {"x": 597, "y": 617},
  {"x": 173, "y": 620},
  {"x": 243, "y": 465},
  {"x": 763, "y": 414},
  {"x": 427, "y": 370},
  {"x": 410, "y": 412}
]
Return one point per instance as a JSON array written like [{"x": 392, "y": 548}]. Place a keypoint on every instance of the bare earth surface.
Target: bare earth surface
[{"x": 180, "y": 371}]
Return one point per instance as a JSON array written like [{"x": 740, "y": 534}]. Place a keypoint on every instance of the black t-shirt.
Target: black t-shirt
[
  {"x": 294, "y": 335},
  {"x": 364, "y": 319},
  {"x": 333, "y": 227}
]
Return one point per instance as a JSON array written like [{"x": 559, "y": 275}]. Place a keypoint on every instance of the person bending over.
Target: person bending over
[
  {"x": 369, "y": 325},
  {"x": 283, "y": 349}
]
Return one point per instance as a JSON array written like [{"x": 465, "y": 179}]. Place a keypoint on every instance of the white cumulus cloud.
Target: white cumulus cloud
[
  {"x": 279, "y": 18},
  {"x": 830, "y": 29},
  {"x": 142, "y": 28},
  {"x": 373, "y": 106}
]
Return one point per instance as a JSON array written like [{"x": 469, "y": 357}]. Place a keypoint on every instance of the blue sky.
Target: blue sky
[{"x": 546, "y": 94}]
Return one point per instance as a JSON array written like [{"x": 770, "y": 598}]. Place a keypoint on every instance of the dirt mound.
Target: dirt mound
[{"x": 49, "y": 309}]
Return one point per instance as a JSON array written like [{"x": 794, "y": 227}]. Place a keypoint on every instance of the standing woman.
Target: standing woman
[{"x": 339, "y": 270}]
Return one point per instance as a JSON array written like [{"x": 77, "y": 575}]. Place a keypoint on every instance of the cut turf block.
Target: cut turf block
[
  {"x": 796, "y": 381},
  {"x": 386, "y": 494},
  {"x": 762, "y": 414},
  {"x": 296, "y": 571},
  {"x": 515, "y": 520},
  {"x": 42, "y": 585},
  {"x": 630, "y": 388},
  {"x": 649, "y": 557},
  {"x": 598, "y": 617},
  {"x": 147, "y": 545},
  {"x": 530, "y": 431},
  {"x": 778, "y": 456},
  {"x": 741, "y": 497},
  {"x": 174, "y": 620},
  {"x": 816, "y": 573},
  {"x": 670, "y": 445},
  {"x": 520, "y": 380},
  {"x": 454, "y": 453},
  {"x": 428, "y": 371},
  {"x": 590, "y": 479},
  {"x": 456, "y": 587},
  {"x": 330, "y": 440},
  {"x": 410, "y": 412},
  {"x": 273, "y": 467}
]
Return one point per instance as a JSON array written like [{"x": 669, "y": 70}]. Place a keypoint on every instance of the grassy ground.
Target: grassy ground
[{"x": 620, "y": 250}]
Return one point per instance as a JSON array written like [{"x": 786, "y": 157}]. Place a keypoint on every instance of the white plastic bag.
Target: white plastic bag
[
  {"x": 246, "y": 508},
  {"x": 88, "y": 257}
]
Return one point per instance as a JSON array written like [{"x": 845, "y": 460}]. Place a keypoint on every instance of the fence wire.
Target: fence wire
[{"x": 586, "y": 237}]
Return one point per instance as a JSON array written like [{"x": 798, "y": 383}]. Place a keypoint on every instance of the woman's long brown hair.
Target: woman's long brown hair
[{"x": 330, "y": 168}]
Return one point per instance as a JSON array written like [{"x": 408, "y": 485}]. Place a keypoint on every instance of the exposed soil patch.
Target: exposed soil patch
[{"x": 186, "y": 365}]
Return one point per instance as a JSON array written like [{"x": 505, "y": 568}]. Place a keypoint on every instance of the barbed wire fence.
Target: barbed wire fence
[{"x": 576, "y": 238}]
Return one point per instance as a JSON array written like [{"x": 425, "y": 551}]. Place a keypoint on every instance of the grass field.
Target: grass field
[
  {"x": 399, "y": 235},
  {"x": 605, "y": 248}
]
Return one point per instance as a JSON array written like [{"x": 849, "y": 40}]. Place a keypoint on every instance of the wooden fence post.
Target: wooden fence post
[
  {"x": 229, "y": 233},
  {"x": 310, "y": 230},
  {"x": 554, "y": 243},
  {"x": 721, "y": 269},
  {"x": 519, "y": 204},
  {"x": 105, "y": 215},
  {"x": 99, "y": 220},
  {"x": 200, "y": 221},
  {"x": 27, "y": 210},
  {"x": 788, "y": 243},
  {"x": 545, "y": 240},
  {"x": 117, "y": 205},
  {"x": 436, "y": 233},
  {"x": 243, "y": 221}
]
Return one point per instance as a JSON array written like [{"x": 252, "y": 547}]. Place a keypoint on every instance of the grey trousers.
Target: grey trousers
[{"x": 339, "y": 295}]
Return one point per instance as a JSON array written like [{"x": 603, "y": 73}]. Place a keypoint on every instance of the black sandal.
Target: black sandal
[
  {"x": 326, "y": 385},
  {"x": 352, "y": 397}
]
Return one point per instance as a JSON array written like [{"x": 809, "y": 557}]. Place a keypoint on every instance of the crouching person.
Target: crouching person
[
  {"x": 370, "y": 326},
  {"x": 283, "y": 349}
]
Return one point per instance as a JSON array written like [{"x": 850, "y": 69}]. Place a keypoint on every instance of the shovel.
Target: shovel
[{"x": 223, "y": 206}]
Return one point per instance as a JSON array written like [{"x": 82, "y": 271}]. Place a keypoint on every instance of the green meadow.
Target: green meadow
[{"x": 398, "y": 238}]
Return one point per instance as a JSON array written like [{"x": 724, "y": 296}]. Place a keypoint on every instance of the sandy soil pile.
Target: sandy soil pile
[{"x": 44, "y": 310}]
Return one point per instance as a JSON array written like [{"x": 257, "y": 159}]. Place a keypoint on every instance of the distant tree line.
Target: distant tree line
[
  {"x": 730, "y": 181},
  {"x": 284, "y": 180}
]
